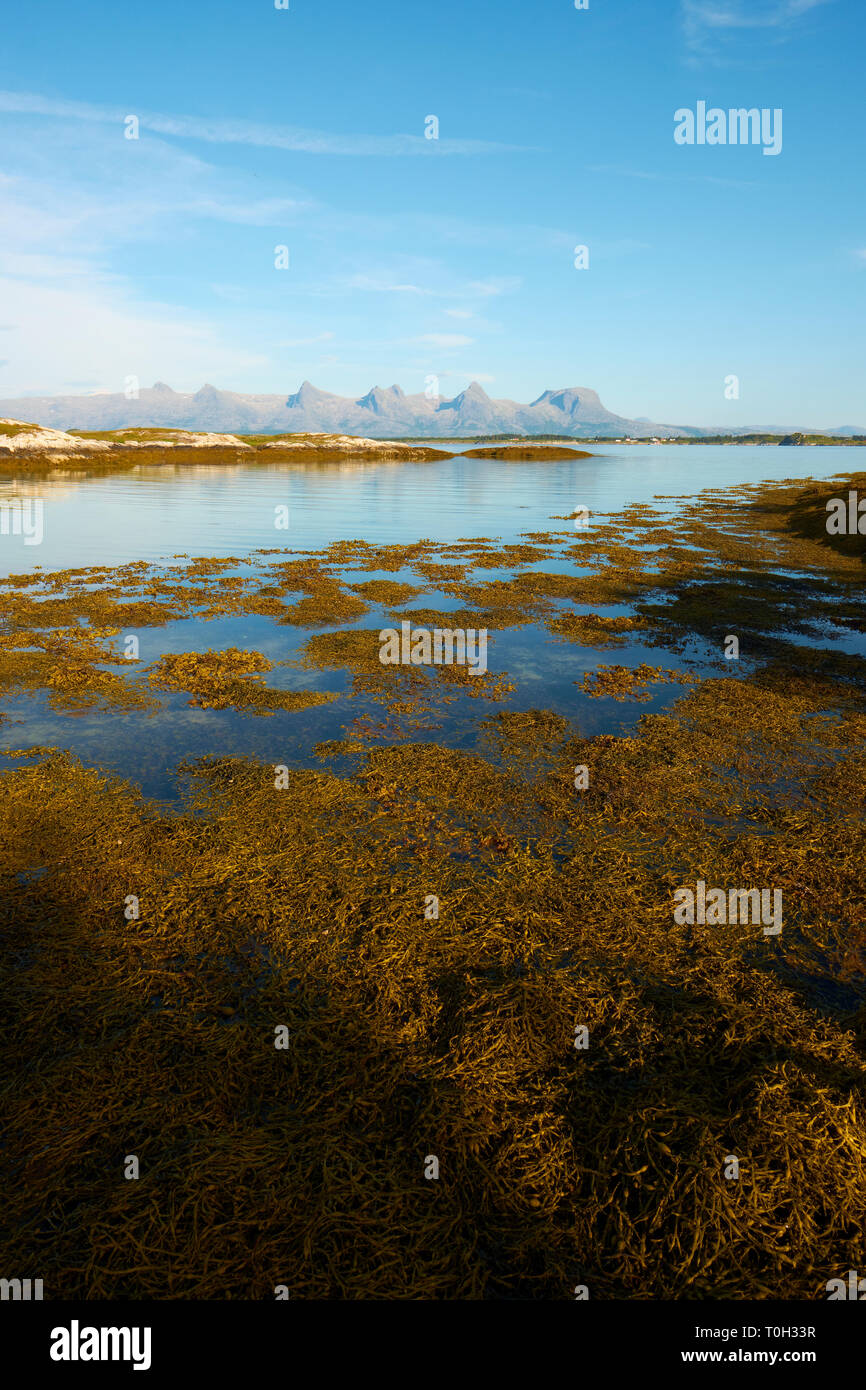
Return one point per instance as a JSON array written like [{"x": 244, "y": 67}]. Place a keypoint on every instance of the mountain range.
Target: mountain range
[{"x": 383, "y": 413}]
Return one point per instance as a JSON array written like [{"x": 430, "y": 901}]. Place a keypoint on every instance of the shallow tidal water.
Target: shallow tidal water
[
  {"x": 154, "y": 513},
  {"x": 158, "y": 514}
]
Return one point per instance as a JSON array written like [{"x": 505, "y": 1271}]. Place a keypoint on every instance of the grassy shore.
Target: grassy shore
[{"x": 34, "y": 449}]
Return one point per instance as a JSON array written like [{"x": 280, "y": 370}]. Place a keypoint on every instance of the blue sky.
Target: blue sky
[{"x": 454, "y": 257}]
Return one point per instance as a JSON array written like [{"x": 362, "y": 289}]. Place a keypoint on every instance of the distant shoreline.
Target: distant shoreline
[
  {"x": 21, "y": 442},
  {"x": 577, "y": 440}
]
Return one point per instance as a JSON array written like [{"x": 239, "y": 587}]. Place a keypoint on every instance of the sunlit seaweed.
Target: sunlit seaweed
[
  {"x": 626, "y": 682},
  {"x": 305, "y": 903},
  {"x": 229, "y": 679}
]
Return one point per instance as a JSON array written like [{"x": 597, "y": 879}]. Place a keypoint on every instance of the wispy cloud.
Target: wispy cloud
[
  {"x": 483, "y": 378},
  {"x": 707, "y": 23},
  {"x": 445, "y": 340},
  {"x": 304, "y": 342},
  {"x": 504, "y": 285},
  {"x": 379, "y": 285},
  {"x": 264, "y": 212},
  {"x": 232, "y": 294},
  {"x": 115, "y": 335},
  {"x": 655, "y": 177},
  {"x": 240, "y": 132}
]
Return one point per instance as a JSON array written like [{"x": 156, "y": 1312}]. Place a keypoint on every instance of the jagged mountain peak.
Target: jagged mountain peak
[
  {"x": 380, "y": 399},
  {"x": 569, "y": 397},
  {"x": 309, "y": 395},
  {"x": 384, "y": 412}
]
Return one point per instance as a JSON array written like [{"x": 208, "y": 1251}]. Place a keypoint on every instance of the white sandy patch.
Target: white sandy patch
[
  {"x": 346, "y": 443},
  {"x": 36, "y": 439}
]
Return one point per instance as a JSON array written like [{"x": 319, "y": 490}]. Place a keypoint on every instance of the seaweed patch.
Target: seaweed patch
[{"x": 292, "y": 989}]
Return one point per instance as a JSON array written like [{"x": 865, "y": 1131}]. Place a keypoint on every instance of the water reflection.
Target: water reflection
[
  {"x": 151, "y": 513},
  {"x": 154, "y": 513}
]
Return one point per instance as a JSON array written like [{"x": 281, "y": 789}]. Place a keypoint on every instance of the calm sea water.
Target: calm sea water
[{"x": 155, "y": 514}]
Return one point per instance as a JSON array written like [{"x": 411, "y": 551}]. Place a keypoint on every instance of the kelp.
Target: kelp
[
  {"x": 627, "y": 682},
  {"x": 466, "y": 954},
  {"x": 230, "y": 679}
]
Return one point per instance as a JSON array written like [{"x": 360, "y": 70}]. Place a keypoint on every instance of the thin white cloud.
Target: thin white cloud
[
  {"x": 304, "y": 342},
  {"x": 445, "y": 340},
  {"x": 459, "y": 313},
  {"x": 232, "y": 294},
  {"x": 384, "y": 286},
  {"x": 240, "y": 132},
  {"x": 266, "y": 212},
  {"x": 505, "y": 285},
  {"x": 75, "y": 196},
  {"x": 109, "y": 336},
  {"x": 481, "y": 377},
  {"x": 667, "y": 178},
  {"x": 706, "y": 22},
  {"x": 384, "y": 282},
  {"x": 62, "y": 209},
  {"x": 43, "y": 266}
]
